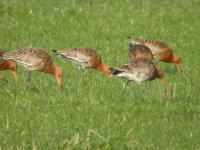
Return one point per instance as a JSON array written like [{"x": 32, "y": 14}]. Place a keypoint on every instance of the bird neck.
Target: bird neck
[
  {"x": 160, "y": 73},
  {"x": 175, "y": 59},
  {"x": 8, "y": 64},
  {"x": 12, "y": 65},
  {"x": 57, "y": 73},
  {"x": 104, "y": 68}
]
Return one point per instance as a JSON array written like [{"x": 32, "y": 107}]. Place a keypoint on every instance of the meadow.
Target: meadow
[{"x": 91, "y": 112}]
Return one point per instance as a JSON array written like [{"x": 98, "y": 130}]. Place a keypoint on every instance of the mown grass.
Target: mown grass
[{"x": 91, "y": 112}]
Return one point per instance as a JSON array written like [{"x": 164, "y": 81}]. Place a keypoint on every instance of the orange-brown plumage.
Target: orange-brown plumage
[
  {"x": 85, "y": 58},
  {"x": 160, "y": 50},
  {"x": 35, "y": 59},
  {"x": 8, "y": 65}
]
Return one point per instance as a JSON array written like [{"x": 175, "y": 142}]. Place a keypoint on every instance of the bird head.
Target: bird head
[
  {"x": 105, "y": 69},
  {"x": 176, "y": 58}
]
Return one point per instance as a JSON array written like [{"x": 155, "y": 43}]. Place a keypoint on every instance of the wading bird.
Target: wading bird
[
  {"x": 85, "y": 58},
  {"x": 7, "y": 65},
  {"x": 139, "y": 70},
  {"x": 35, "y": 59},
  {"x": 160, "y": 50}
]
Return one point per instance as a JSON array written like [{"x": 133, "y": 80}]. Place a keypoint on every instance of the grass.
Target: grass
[{"x": 91, "y": 113}]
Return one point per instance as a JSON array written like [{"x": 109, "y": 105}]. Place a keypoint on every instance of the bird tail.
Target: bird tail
[
  {"x": 58, "y": 52},
  {"x": 129, "y": 37},
  {"x": 131, "y": 45},
  {"x": 1, "y": 54},
  {"x": 115, "y": 71},
  {"x": 54, "y": 50},
  {"x": 133, "y": 41},
  {"x": 9, "y": 55}
]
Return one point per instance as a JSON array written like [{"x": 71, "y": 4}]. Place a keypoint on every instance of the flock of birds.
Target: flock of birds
[{"x": 139, "y": 67}]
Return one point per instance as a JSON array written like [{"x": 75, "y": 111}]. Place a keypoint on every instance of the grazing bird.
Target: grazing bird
[
  {"x": 35, "y": 59},
  {"x": 139, "y": 51},
  {"x": 160, "y": 50},
  {"x": 139, "y": 70},
  {"x": 8, "y": 65},
  {"x": 85, "y": 58}
]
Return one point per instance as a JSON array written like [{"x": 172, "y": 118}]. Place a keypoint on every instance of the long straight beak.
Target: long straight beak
[
  {"x": 178, "y": 67},
  {"x": 59, "y": 83},
  {"x": 15, "y": 75},
  {"x": 110, "y": 77},
  {"x": 165, "y": 83}
]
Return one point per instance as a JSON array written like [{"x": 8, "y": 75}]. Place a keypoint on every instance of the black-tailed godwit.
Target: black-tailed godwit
[
  {"x": 160, "y": 50},
  {"x": 85, "y": 58},
  {"x": 35, "y": 59},
  {"x": 139, "y": 70}
]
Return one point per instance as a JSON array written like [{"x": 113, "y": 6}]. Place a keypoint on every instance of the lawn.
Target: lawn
[{"x": 91, "y": 112}]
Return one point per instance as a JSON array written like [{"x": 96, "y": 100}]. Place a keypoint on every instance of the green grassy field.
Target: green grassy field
[{"x": 92, "y": 113}]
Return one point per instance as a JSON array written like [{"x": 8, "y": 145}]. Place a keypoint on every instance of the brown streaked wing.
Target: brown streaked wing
[
  {"x": 79, "y": 54},
  {"x": 138, "y": 65},
  {"x": 31, "y": 58},
  {"x": 154, "y": 45}
]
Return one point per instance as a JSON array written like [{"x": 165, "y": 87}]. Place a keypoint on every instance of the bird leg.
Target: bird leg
[
  {"x": 166, "y": 85},
  {"x": 78, "y": 72},
  {"x": 124, "y": 88},
  {"x": 28, "y": 77},
  {"x": 177, "y": 67},
  {"x": 31, "y": 84}
]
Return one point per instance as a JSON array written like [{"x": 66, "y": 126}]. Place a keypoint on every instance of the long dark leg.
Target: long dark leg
[
  {"x": 128, "y": 81},
  {"x": 79, "y": 72},
  {"x": 177, "y": 67},
  {"x": 30, "y": 82},
  {"x": 124, "y": 88},
  {"x": 28, "y": 77}
]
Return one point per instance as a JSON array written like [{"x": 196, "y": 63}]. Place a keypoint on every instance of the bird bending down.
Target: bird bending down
[
  {"x": 85, "y": 58},
  {"x": 139, "y": 70},
  {"x": 8, "y": 65},
  {"x": 139, "y": 51},
  {"x": 160, "y": 50},
  {"x": 35, "y": 59}
]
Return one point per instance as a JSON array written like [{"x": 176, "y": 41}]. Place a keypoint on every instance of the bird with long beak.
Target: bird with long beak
[
  {"x": 35, "y": 59},
  {"x": 160, "y": 50},
  {"x": 139, "y": 70},
  {"x": 8, "y": 65},
  {"x": 85, "y": 58}
]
